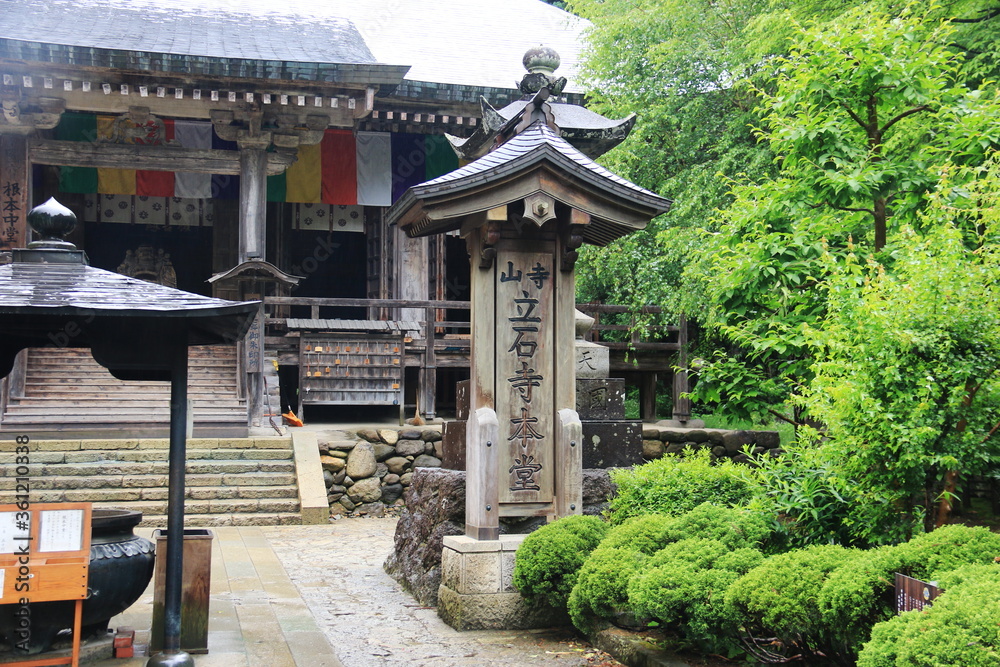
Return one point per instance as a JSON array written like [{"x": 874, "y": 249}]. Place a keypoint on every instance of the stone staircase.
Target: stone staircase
[
  {"x": 229, "y": 482},
  {"x": 66, "y": 393}
]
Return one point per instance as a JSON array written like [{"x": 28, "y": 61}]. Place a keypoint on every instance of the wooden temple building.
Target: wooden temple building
[{"x": 250, "y": 150}]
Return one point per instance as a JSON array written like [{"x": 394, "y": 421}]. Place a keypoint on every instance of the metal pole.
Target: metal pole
[{"x": 172, "y": 656}]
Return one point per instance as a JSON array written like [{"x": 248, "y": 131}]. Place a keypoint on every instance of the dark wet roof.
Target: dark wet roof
[
  {"x": 538, "y": 143},
  {"x": 534, "y": 144},
  {"x": 568, "y": 116},
  {"x": 224, "y": 39},
  {"x": 69, "y": 289}
]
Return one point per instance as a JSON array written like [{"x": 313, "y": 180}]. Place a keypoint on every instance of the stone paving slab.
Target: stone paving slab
[
  {"x": 316, "y": 596},
  {"x": 372, "y": 622}
]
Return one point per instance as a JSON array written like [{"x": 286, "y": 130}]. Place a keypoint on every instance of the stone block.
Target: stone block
[
  {"x": 612, "y": 444},
  {"x": 768, "y": 439},
  {"x": 462, "y": 400},
  {"x": 652, "y": 449},
  {"x": 601, "y": 399},
  {"x": 410, "y": 447},
  {"x": 592, "y": 360},
  {"x": 453, "y": 445},
  {"x": 388, "y": 436},
  {"x": 495, "y": 611},
  {"x": 735, "y": 441}
]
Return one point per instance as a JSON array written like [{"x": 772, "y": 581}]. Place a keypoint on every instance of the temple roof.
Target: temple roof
[
  {"x": 190, "y": 38},
  {"x": 454, "y": 50},
  {"x": 535, "y": 146}
]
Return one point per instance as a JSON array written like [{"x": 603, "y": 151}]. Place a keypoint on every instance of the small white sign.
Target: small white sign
[
  {"x": 61, "y": 530},
  {"x": 14, "y": 532}
]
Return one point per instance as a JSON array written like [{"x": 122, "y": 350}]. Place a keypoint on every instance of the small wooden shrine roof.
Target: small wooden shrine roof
[
  {"x": 590, "y": 132},
  {"x": 617, "y": 206},
  {"x": 257, "y": 267}
]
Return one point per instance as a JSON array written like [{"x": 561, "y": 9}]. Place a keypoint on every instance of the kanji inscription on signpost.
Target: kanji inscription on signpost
[{"x": 524, "y": 365}]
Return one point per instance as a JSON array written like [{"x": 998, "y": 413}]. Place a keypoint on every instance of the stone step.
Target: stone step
[
  {"x": 210, "y": 467},
  {"x": 212, "y": 520},
  {"x": 196, "y": 493},
  {"x": 234, "y": 506},
  {"x": 125, "y": 401},
  {"x": 112, "y": 481},
  {"x": 28, "y": 406},
  {"x": 137, "y": 455},
  {"x": 193, "y": 444}
]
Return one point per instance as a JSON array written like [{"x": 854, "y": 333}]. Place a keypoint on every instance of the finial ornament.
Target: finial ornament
[
  {"x": 541, "y": 63},
  {"x": 52, "y": 222}
]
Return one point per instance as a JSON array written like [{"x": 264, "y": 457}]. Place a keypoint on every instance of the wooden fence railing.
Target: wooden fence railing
[{"x": 434, "y": 325}]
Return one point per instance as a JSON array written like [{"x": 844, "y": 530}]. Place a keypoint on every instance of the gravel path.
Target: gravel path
[{"x": 372, "y": 622}]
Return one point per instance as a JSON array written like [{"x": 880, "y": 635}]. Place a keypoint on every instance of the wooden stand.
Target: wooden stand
[{"x": 45, "y": 557}]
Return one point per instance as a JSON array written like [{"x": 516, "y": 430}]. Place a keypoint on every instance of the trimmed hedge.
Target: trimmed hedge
[
  {"x": 961, "y": 629},
  {"x": 684, "y": 588},
  {"x": 674, "y": 484},
  {"x": 779, "y": 599},
  {"x": 547, "y": 562}
]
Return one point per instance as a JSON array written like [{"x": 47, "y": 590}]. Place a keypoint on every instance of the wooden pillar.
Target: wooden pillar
[
  {"x": 682, "y": 406},
  {"x": 15, "y": 183},
  {"x": 428, "y": 371},
  {"x": 253, "y": 200},
  {"x": 647, "y": 396}
]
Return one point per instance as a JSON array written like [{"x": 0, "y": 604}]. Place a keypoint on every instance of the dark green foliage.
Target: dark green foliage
[
  {"x": 961, "y": 628},
  {"x": 683, "y": 587},
  {"x": 675, "y": 484},
  {"x": 645, "y": 534},
  {"x": 945, "y": 549},
  {"x": 601, "y": 590},
  {"x": 549, "y": 558},
  {"x": 733, "y": 527},
  {"x": 779, "y": 598},
  {"x": 860, "y": 594}
]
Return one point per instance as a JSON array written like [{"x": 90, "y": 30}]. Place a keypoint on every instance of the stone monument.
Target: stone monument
[{"x": 524, "y": 209}]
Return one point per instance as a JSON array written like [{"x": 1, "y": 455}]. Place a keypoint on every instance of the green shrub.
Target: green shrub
[
  {"x": 961, "y": 628},
  {"x": 673, "y": 485},
  {"x": 547, "y": 561},
  {"x": 945, "y": 549},
  {"x": 645, "y": 534},
  {"x": 732, "y": 526},
  {"x": 861, "y": 592},
  {"x": 601, "y": 590},
  {"x": 683, "y": 587},
  {"x": 779, "y": 598}
]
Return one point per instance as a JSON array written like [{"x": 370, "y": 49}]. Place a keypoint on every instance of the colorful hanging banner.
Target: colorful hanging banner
[{"x": 345, "y": 169}]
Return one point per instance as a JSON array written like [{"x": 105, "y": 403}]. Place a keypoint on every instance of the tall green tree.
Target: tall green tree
[
  {"x": 673, "y": 63},
  {"x": 867, "y": 111}
]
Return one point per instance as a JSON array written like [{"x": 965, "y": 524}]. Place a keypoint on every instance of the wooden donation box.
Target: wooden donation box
[{"x": 44, "y": 557}]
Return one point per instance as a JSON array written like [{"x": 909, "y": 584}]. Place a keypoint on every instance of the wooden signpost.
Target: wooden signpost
[{"x": 44, "y": 557}]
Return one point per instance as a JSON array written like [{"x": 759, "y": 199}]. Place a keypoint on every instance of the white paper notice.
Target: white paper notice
[
  {"x": 2, "y": 574},
  {"x": 61, "y": 530},
  {"x": 13, "y": 533}
]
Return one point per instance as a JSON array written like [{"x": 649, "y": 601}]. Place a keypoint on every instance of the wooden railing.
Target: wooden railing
[{"x": 433, "y": 326}]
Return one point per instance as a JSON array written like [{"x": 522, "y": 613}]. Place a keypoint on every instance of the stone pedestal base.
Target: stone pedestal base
[{"x": 477, "y": 590}]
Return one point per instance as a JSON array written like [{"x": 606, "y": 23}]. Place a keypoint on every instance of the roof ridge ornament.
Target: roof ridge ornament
[
  {"x": 541, "y": 62},
  {"x": 53, "y": 222}
]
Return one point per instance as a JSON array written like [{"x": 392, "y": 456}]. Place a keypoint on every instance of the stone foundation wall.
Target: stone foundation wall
[
  {"x": 660, "y": 440},
  {"x": 435, "y": 508},
  {"x": 366, "y": 474}
]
